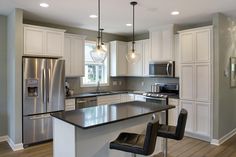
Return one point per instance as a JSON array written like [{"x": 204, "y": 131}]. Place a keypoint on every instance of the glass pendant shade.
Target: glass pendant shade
[
  {"x": 98, "y": 54},
  {"x": 132, "y": 57}
]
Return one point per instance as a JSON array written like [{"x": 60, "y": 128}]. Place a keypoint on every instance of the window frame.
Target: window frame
[{"x": 108, "y": 68}]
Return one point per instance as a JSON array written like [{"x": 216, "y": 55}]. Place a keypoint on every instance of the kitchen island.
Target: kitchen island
[{"x": 87, "y": 132}]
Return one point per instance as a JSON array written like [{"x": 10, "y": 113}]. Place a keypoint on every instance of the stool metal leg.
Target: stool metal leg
[{"x": 165, "y": 147}]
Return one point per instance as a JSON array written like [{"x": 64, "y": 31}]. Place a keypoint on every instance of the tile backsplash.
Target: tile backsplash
[{"x": 122, "y": 83}]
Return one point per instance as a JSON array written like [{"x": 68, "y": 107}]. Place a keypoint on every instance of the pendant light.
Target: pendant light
[
  {"x": 99, "y": 53},
  {"x": 132, "y": 56}
]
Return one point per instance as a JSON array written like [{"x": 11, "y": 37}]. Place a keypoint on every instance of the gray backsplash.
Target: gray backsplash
[
  {"x": 127, "y": 83},
  {"x": 144, "y": 83},
  {"x": 120, "y": 85}
]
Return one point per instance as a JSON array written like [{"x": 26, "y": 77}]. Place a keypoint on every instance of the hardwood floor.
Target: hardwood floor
[{"x": 188, "y": 147}]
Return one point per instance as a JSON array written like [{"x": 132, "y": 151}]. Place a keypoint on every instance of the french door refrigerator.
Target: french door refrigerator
[{"x": 43, "y": 93}]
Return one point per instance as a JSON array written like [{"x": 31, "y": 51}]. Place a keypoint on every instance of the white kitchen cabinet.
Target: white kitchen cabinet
[
  {"x": 173, "y": 114},
  {"x": 203, "y": 118},
  {"x": 138, "y": 97},
  {"x": 118, "y": 62},
  {"x": 162, "y": 43},
  {"x": 203, "y": 80},
  {"x": 190, "y": 107},
  {"x": 74, "y": 55},
  {"x": 69, "y": 104},
  {"x": 146, "y": 56},
  {"x": 196, "y": 79},
  {"x": 176, "y": 54},
  {"x": 137, "y": 68},
  {"x": 43, "y": 41},
  {"x": 126, "y": 97},
  {"x": 187, "y": 82},
  {"x": 187, "y": 47},
  {"x": 108, "y": 99}
]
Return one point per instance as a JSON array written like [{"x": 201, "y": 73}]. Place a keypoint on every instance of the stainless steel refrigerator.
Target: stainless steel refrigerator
[{"x": 43, "y": 93}]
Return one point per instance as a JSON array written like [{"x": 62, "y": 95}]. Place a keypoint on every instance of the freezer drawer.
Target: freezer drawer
[{"x": 37, "y": 128}]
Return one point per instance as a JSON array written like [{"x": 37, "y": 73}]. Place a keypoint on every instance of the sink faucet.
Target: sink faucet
[{"x": 98, "y": 87}]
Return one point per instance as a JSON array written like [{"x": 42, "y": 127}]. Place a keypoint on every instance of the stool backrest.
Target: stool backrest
[
  {"x": 150, "y": 138},
  {"x": 180, "y": 128}
]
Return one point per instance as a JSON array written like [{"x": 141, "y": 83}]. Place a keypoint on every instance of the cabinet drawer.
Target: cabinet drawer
[{"x": 69, "y": 104}]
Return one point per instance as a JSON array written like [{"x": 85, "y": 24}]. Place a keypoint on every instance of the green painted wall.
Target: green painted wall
[{"x": 3, "y": 75}]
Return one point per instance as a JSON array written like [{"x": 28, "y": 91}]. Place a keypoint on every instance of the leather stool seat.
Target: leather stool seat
[{"x": 137, "y": 143}]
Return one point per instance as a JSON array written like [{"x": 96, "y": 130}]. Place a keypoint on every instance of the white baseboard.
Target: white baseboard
[
  {"x": 14, "y": 147},
  {"x": 224, "y": 138},
  {"x": 3, "y": 138},
  {"x": 198, "y": 136}
]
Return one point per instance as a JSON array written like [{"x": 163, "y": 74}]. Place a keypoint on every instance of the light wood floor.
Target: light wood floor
[{"x": 188, "y": 147}]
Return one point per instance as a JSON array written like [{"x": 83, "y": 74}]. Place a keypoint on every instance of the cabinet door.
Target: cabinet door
[
  {"x": 190, "y": 107},
  {"x": 156, "y": 45},
  {"x": 203, "y": 45},
  {"x": 167, "y": 41},
  {"x": 33, "y": 41},
  {"x": 176, "y": 56},
  {"x": 203, "y": 118},
  {"x": 77, "y": 57},
  {"x": 187, "y": 82},
  {"x": 67, "y": 56},
  {"x": 187, "y": 48},
  {"x": 137, "y": 68},
  {"x": 146, "y": 57},
  {"x": 69, "y": 104},
  {"x": 109, "y": 99},
  {"x": 203, "y": 82},
  {"x": 54, "y": 43},
  {"x": 122, "y": 49},
  {"x": 139, "y": 98},
  {"x": 173, "y": 114}
]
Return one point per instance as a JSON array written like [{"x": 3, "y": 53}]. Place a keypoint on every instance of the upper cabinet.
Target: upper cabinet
[
  {"x": 74, "y": 55},
  {"x": 162, "y": 43},
  {"x": 195, "y": 45},
  {"x": 118, "y": 51},
  {"x": 137, "y": 68},
  {"x": 43, "y": 41},
  {"x": 146, "y": 56}
]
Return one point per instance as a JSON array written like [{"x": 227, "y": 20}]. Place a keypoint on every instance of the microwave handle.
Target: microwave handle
[{"x": 167, "y": 69}]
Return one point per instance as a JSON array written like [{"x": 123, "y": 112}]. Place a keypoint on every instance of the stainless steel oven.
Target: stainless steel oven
[{"x": 162, "y": 69}]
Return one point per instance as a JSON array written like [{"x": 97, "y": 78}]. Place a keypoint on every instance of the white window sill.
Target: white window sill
[{"x": 94, "y": 85}]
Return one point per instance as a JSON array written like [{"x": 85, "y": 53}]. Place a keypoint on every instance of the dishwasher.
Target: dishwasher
[{"x": 86, "y": 102}]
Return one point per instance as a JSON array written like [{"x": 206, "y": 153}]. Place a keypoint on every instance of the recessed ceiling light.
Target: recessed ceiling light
[
  {"x": 128, "y": 24},
  {"x": 44, "y": 5},
  {"x": 175, "y": 13},
  {"x": 93, "y": 16}
]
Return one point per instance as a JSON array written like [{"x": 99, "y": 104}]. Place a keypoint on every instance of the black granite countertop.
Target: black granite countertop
[
  {"x": 104, "y": 114},
  {"x": 94, "y": 94}
]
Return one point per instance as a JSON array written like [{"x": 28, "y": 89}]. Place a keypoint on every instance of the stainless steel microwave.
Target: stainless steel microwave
[{"x": 162, "y": 69}]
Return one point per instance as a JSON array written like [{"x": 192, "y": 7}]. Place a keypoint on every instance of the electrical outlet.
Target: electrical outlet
[{"x": 114, "y": 83}]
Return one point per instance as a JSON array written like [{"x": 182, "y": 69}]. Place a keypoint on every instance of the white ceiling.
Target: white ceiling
[{"x": 116, "y": 13}]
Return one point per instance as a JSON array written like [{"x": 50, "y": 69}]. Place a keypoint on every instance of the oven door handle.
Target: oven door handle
[{"x": 155, "y": 98}]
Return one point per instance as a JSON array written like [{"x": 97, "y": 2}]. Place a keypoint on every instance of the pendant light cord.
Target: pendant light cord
[
  {"x": 133, "y": 42},
  {"x": 99, "y": 30}
]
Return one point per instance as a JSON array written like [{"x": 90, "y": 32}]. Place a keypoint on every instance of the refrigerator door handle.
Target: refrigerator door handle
[
  {"x": 44, "y": 86},
  {"x": 40, "y": 117},
  {"x": 49, "y": 85}
]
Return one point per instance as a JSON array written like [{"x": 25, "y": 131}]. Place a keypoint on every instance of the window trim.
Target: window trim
[{"x": 108, "y": 68}]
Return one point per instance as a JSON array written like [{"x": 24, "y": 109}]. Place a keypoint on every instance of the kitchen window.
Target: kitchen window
[{"x": 94, "y": 72}]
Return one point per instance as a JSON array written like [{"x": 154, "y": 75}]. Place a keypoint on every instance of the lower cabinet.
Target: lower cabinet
[
  {"x": 108, "y": 99},
  {"x": 69, "y": 104},
  {"x": 138, "y": 97},
  {"x": 126, "y": 97},
  {"x": 173, "y": 114},
  {"x": 198, "y": 121}
]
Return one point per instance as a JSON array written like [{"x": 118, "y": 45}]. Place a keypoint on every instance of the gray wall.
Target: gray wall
[
  {"x": 14, "y": 74},
  {"x": 135, "y": 83},
  {"x": 91, "y": 35},
  {"x": 224, "y": 96},
  {"x": 3, "y": 75}
]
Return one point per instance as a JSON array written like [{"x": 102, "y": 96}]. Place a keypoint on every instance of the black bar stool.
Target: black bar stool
[
  {"x": 137, "y": 143},
  {"x": 173, "y": 132}
]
